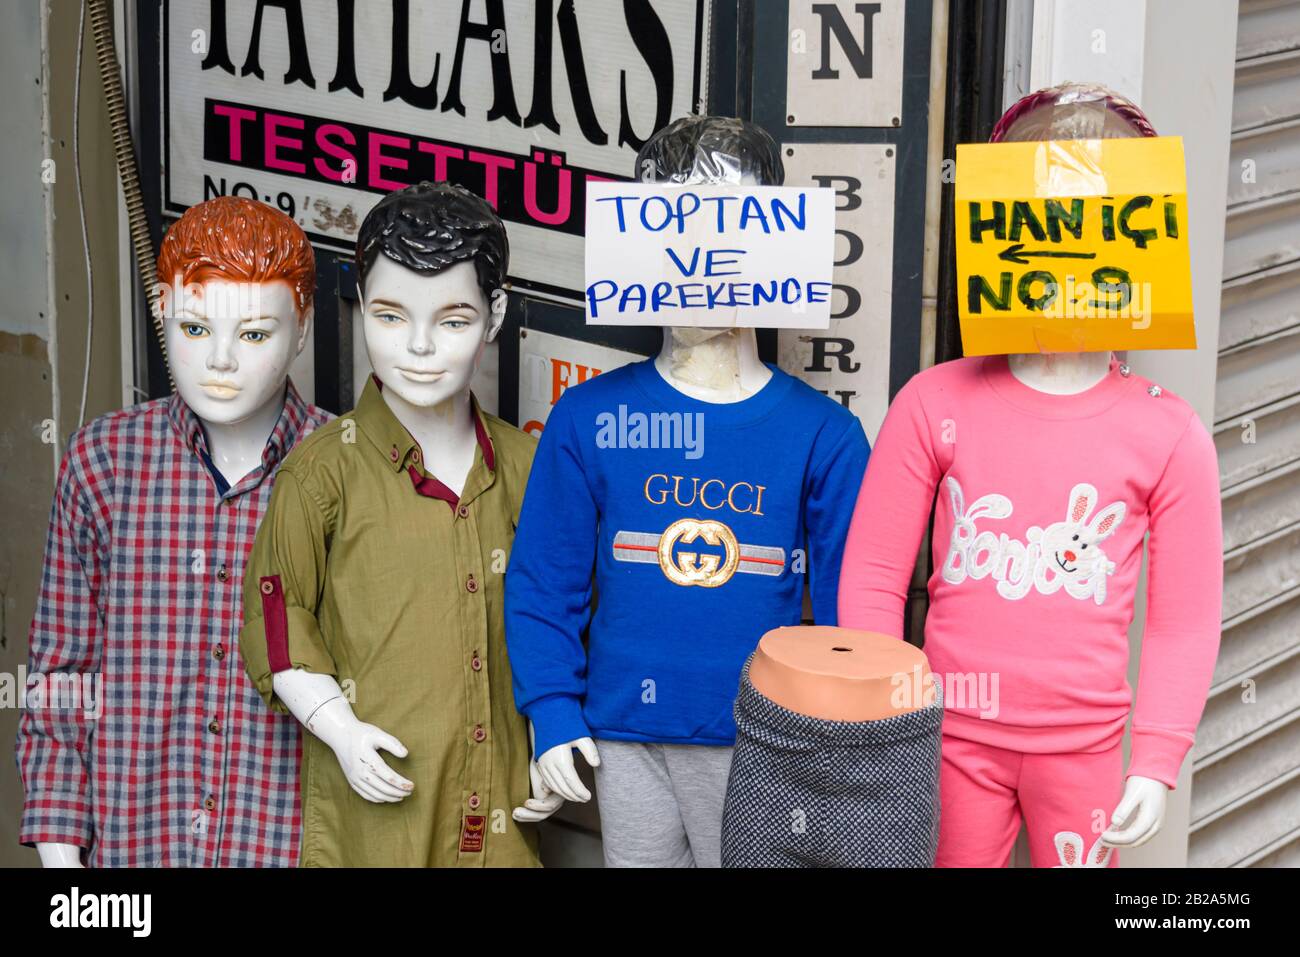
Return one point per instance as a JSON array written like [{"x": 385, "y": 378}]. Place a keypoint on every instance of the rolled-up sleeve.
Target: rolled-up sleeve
[
  {"x": 282, "y": 589},
  {"x": 66, "y": 642}
]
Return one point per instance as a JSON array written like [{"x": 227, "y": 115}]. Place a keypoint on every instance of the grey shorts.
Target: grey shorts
[
  {"x": 804, "y": 792},
  {"x": 661, "y": 804}
]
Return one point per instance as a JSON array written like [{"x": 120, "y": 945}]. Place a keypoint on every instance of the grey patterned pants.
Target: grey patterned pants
[{"x": 804, "y": 792}]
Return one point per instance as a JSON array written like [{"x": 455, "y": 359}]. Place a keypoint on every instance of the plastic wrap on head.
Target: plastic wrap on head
[
  {"x": 710, "y": 149},
  {"x": 1071, "y": 111}
]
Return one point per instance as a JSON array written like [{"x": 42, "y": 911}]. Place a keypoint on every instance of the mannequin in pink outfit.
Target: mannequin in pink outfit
[{"x": 994, "y": 778}]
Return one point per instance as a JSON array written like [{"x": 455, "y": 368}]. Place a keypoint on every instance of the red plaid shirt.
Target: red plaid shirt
[{"x": 142, "y": 739}]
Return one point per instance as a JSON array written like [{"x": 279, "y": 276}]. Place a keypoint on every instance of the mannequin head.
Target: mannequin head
[
  {"x": 431, "y": 259},
  {"x": 1071, "y": 111},
  {"x": 711, "y": 149},
  {"x": 695, "y": 150},
  {"x": 238, "y": 277}
]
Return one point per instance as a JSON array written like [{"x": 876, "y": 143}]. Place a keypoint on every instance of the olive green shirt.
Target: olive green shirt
[{"x": 398, "y": 594}]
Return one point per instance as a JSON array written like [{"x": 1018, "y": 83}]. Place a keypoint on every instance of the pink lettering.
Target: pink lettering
[
  {"x": 335, "y": 150},
  {"x": 440, "y": 156},
  {"x": 274, "y": 141},
  {"x": 563, "y": 199},
  {"x": 491, "y": 164},
  {"x": 378, "y": 161},
  {"x": 237, "y": 116}
]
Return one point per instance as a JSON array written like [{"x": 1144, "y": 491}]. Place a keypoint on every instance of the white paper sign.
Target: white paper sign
[{"x": 714, "y": 256}]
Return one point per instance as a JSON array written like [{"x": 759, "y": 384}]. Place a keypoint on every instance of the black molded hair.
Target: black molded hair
[
  {"x": 715, "y": 148},
  {"x": 431, "y": 226}
]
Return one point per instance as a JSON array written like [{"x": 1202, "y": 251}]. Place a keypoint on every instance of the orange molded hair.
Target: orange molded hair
[{"x": 239, "y": 240}]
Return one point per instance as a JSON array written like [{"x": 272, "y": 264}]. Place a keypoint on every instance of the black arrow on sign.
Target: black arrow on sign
[{"x": 1017, "y": 253}]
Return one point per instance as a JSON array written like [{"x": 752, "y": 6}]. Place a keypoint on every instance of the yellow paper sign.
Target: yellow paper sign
[{"x": 1073, "y": 246}]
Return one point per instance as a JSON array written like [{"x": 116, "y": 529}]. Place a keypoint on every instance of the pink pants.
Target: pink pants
[{"x": 1065, "y": 800}]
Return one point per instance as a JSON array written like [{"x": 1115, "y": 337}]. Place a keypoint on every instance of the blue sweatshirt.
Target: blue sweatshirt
[{"x": 697, "y": 523}]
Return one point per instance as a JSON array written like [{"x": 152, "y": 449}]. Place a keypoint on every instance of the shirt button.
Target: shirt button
[
  {"x": 480, "y": 733},
  {"x": 214, "y": 726},
  {"x": 415, "y": 456},
  {"x": 267, "y": 588},
  {"x": 463, "y": 511},
  {"x": 210, "y": 804},
  {"x": 471, "y": 584},
  {"x": 476, "y": 663},
  {"x": 222, "y": 574},
  {"x": 474, "y": 802},
  {"x": 218, "y": 652},
  {"x": 392, "y": 454}
]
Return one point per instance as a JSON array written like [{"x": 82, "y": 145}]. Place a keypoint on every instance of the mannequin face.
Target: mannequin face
[
  {"x": 426, "y": 332},
  {"x": 230, "y": 345}
]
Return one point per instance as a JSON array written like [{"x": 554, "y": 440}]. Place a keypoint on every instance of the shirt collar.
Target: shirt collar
[
  {"x": 284, "y": 435},
  {"x": 186, "y": 424},
  {"x": 390, "y": 437}
]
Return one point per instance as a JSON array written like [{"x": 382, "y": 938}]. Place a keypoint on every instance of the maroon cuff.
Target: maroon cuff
[{"x": 275, "y": 622}]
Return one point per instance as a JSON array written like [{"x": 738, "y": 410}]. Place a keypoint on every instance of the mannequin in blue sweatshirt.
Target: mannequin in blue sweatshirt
[{"x": 694, "y": 494}]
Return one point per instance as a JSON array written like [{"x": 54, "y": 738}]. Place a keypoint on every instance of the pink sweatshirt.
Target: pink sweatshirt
[{"x": 1043, "y": 502}]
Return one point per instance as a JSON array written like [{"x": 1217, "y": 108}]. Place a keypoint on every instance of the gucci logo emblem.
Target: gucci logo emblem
[{"x": 691, "y": 568}]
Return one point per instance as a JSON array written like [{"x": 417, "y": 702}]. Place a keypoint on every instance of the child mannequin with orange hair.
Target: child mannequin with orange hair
[{"x": 142, "y": 742}]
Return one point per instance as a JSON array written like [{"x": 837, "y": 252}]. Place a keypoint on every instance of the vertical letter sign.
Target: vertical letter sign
[{"x": 845, "y": 63}]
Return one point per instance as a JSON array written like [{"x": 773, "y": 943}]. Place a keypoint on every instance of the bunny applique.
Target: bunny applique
[
  {"x": 1065, "y": 554},
  {"x": 1069, "y": 849}
]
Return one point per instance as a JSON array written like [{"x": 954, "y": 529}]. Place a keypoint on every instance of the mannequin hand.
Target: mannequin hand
[
  {"x": 559, "y": 773},
  {"x": 318, "y": 702},
  {"x": 357, "y": 750},
  {"x": 544, "y": 802},
  {"x": 59, "y": 855},
  {"x": 1140, "y": 813}
]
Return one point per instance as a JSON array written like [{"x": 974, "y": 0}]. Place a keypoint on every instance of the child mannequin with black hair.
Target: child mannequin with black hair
[{"x": 375, "y": 584}]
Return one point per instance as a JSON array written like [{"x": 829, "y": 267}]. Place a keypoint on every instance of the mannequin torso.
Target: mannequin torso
[
  {"x": 711, "y": 365},
  {"x": 1141, "y": 811},
  {"x": 236, "y": 450},
  {"x": 836, "y": 674}
]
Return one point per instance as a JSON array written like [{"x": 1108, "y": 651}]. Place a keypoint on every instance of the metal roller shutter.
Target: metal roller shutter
[{"x": 1246, "y": 786}]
